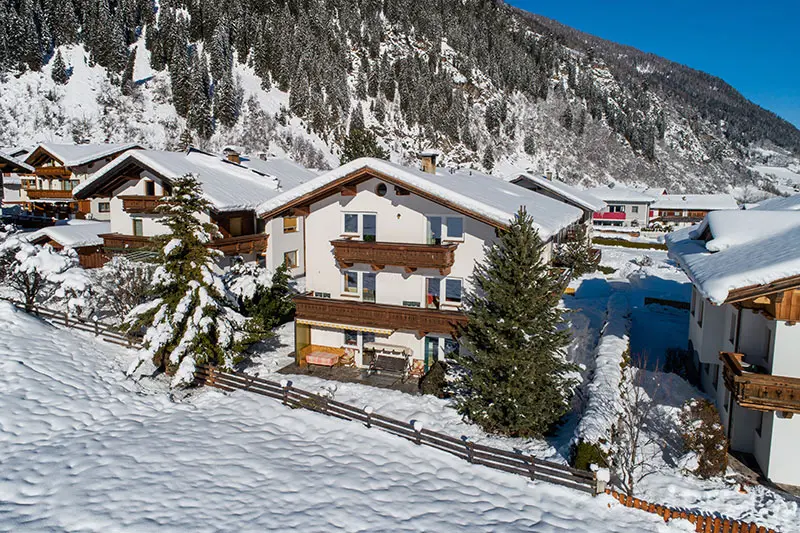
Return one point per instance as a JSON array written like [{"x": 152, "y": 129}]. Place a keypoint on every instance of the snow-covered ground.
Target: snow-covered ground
[{"x": 85, "y": 449}]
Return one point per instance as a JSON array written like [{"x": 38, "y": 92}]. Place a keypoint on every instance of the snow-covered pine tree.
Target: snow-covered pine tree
[
  {"x": 361, "y": 142},
  {"x": 127, "y": 74},
  {"x": 59, "y": 71},
  {"x": 227, "y": 100},
  {"x": 576, "y": 253},
  {"x": 189, "y": 321},
  {"x": 514, "y": 378}
]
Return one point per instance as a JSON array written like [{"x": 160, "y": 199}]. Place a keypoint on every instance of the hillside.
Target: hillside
[{"x": 491, "y": 86}]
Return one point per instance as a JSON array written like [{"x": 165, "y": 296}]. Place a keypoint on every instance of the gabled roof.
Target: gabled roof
[
  {"x": 10, "y": 164},
  {"x": 227, "y": 185},
  {"x": 72, "y": 155},
  {"x": 740, "y": 252},
  {"x": 618, "y": 193},
  {"x": 288, "y": 173},
  {"x": 73, "y": 233},
  {"x": 474, "y": 194},
  {"x": 702, "y": 202},
  {"x": 571, "y": 194}
]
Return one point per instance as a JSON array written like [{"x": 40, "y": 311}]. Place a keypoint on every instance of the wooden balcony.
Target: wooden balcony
[
  {"x": 762, "y": 392},
  {"x": 140, "y": 204},
  {"x": 395, "y": 317},
  {"x": 38, "y": 194},
  {"x": 53, "y": 172},
  {"x": 246, "y": 244},
  {"x": 406, "y": 255}
]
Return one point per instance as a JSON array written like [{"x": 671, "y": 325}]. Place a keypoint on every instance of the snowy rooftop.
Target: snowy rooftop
[
  {"x": 743, "y": 249},
  {"x": 618, "y": 193},
  {"x": 80, "y": 154},
  {"x": 9, "y": 163},
  {"x": 702, "y": 202},
  {"x": 228, "y": 186},
  {"x": 288, "y": 173},
  {"x": 580, "y": 197},
  {"x": 484, "y": 195},
  {"x": 73, "y": 233},
  {"x": 780, "y": 203}
]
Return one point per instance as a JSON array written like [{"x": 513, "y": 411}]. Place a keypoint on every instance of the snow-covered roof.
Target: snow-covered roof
[
  {"x": 227, "y": 185},
  {"x": 73, "y": 233},
  {"x": 702, "y": 202},
  {"x": 9, "y": 163},
  {"x": 288, "y": 173},
  {"x": 780, "y": 203},
  {"x": 80, "y": 154},
  {"x": 474, "y": 192},
  {"x": 572, "y": 194},
  {"x": 654, "y": 191},
  {"x": 618, "y": 193},
  {"x": 732, "y": 250}
]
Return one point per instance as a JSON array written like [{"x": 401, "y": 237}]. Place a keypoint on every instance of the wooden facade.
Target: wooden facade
[
  {"x": 245, "y": 244},
  {"x": 762, "y": 392},
  {"x": 41, "y": 194},
  {"x": 140, "y": 204},
  {"x": 782, "y": 305},
  {"x": 365, "y": 314},
  {"x": 406, "y": 255}
]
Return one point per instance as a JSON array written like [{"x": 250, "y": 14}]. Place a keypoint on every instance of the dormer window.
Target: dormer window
[{"x": 149, "y": 188}]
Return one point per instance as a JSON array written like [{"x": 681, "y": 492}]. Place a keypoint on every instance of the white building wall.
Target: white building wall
[{"x": 281, "y": 243}]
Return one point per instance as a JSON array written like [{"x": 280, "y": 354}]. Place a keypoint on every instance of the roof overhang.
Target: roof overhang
[
  {"x": 113, "y": 175},
  {"x": 754, "y": 291},
  {"x": 11, "y": 164}
]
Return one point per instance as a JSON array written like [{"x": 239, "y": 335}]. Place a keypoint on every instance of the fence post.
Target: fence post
[
  {"x": 470, "y": 448},
  {"x": 418, "y": 430},
  {"x": 286, "y": 385},
  {"x": 602, "y": 476},
  {"x": 368, "y": 410},
  {"x": 96, "y": 326},
  {"x": 66, "y": 318},
  {"x": 532, "y": 466}
]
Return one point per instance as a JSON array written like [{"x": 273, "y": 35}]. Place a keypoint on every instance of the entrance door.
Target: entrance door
[
  {"x": 368, "y": 287},
  {"x": 431, "y": 352}
]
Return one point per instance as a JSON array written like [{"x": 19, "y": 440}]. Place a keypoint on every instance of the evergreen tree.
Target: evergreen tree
[
  {"x": 59, "y": 71},
  {"x": 576, "y": 253},
  {"x": 566, "y": 118},
  {"x": 127, "y": 74},
  {"x": 357, "y": 118},
  {"x": 186, "y": 141},
  {"x": 227, "y": 101},
  {"x": 361, "y": 143},
  {"x": 189, "y": 322},
  {"x": 529, "y": 144},
  {"x": 488, "y": 159},
  {"x": 514, "y": 380}
]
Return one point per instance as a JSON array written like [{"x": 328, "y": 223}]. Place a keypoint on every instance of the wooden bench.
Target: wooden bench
[{"x": 390, "y": 364}]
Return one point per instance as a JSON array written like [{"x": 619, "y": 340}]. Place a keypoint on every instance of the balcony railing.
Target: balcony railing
[
  {"x": 762, "y": 392},
  {"x": 53, "y": 172},
  {"x": 246, "y": 244},
  {"x": 608, "y": 216},
  {"x": 406, "y": 255},
  {"x": 39, "y": 194},
  {"x": 378, "y": 315},
  {"x": 140, "y": 204}
]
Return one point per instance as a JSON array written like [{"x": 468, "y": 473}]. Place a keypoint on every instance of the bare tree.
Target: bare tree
[{"x": 121, "y": 285}]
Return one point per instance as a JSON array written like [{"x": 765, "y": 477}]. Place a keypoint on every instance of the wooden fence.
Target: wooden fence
[
  {"x": 507, "y": 461},
  {"x": 105, "y": 331}
]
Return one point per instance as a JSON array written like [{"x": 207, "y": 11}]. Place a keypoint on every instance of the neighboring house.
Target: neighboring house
[
  {"x": 390, "y": 251},
  {"x": 139, "y": 178},
  {"x": 745, "y": 328},
  {"x": 625, "y": 207},
  {"x": 60, "y": 168},
  {"x": 10, "y": 183},
  {"x": 779, "y": 203},
  {"x": 682, "y": 210},
  {"x": 83, "y": 236},
  {"x": 562, "y": 192}
]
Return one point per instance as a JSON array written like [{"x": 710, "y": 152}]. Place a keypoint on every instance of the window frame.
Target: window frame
[
  {"x": 442, "y": 294},
  {"x": 345, "y": 284},
  {"x": 140, "y": 222},
  {"x": 149, "y": 184},
  {"x": 635, "y": 209},
  {"x": 292, "y": 264},
  {"x": 444, "y": 228},
  {"x": 101, "y": 209},
  {"x": 359, "y": 224},
  {"x": 353, "y": 334},
  {"x": 290, "y": 228}
]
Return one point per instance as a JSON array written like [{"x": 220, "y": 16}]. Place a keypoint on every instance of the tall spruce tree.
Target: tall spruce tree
[
  {"x": 515, "y": 378},
  {"x": 361, "y": 142},
  {"x": 59, "y": 71},
  {"x": 190, "y": 322}
]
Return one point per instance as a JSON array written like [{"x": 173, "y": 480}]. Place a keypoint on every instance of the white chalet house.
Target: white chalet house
[
  {"x": 137, "y": 180},
  {"x": 624, "y": 206},
  {"x": 10, "y": 167},
  {"x": 684, "y": 210},
  {"x": 744, "y": 328},
  {"x": 389, "y": 254}
]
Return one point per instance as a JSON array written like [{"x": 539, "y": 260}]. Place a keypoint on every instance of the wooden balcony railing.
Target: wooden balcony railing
[
  {"x": 381, "y": 254},
  {"x": 245, "y": 244},
  {"x": 53, "y": 172},
  {"x": 38, "y": 194},
  {"x": 140, "y": 204},
  {"x": 364, "y": 314},
  {"x": 762, "y": 392}
]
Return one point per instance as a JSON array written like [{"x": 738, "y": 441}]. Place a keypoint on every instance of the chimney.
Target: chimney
[
  {"x": 232, "y": 155},
  {"x": 549, "y": 175},
  {"x": 428, "y": 159}
]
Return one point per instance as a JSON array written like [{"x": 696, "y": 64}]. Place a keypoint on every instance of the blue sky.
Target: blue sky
[{"x": 754, "y": 46}]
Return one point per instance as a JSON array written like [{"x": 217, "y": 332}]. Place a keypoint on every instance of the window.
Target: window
[
  {"x": 351, "y": 282},
  {"x": 290, "y": 259},
  {"x": 368, "y": 286},
  {"x": 452, "y": 291},
  {"x": 381, "y": 189},
  {"x": 289, "y": 224},
  {"x": 149, "y": 188},
  {"x": 350, "y": 337},
  {"x": 350, "y": 223},
  {"x": 760, "y": 423},
  {"x": 732, "y": 332},
  {"x": 363, "y": 224},
  {"x": 432, "y": 292},
  {"x": 434, "y": 230},
  {"x": 235, "y": 224},
  {"x": 455, "y": 228},
  {"x": 138, "y": 231},
  {"x": 634, "y": 209},
  {"x": 104, "y": 207},
  {"x": 367, "y": 336},
  {"x": 70, "y": 184},
  {"x": 616, "y": 208}
]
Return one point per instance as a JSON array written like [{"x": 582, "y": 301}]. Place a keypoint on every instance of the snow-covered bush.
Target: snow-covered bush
[
  {"x": 121, "y": 285},
  {"x": 189, "y": 322},
  {"x": 704, "y": 437},
  {"x": 265, "y": 298}
]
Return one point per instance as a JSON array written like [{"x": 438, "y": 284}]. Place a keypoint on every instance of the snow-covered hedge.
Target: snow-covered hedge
[{"x": 603, "y": 392}]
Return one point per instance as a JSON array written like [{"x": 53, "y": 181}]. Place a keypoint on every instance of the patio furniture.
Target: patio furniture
[{"x": 322, "y": 359}]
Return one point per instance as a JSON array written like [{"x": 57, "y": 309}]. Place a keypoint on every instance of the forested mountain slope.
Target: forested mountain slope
[{"x": 489, "y": 85}]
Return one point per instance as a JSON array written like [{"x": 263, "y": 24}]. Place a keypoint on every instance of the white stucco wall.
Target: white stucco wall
[{"x": 280, "y": 243}]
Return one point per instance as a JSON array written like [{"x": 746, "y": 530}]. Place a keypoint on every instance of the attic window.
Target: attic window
[
  {"x": 399, "y": 191},
  {"x": 380, "y": 190}
]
